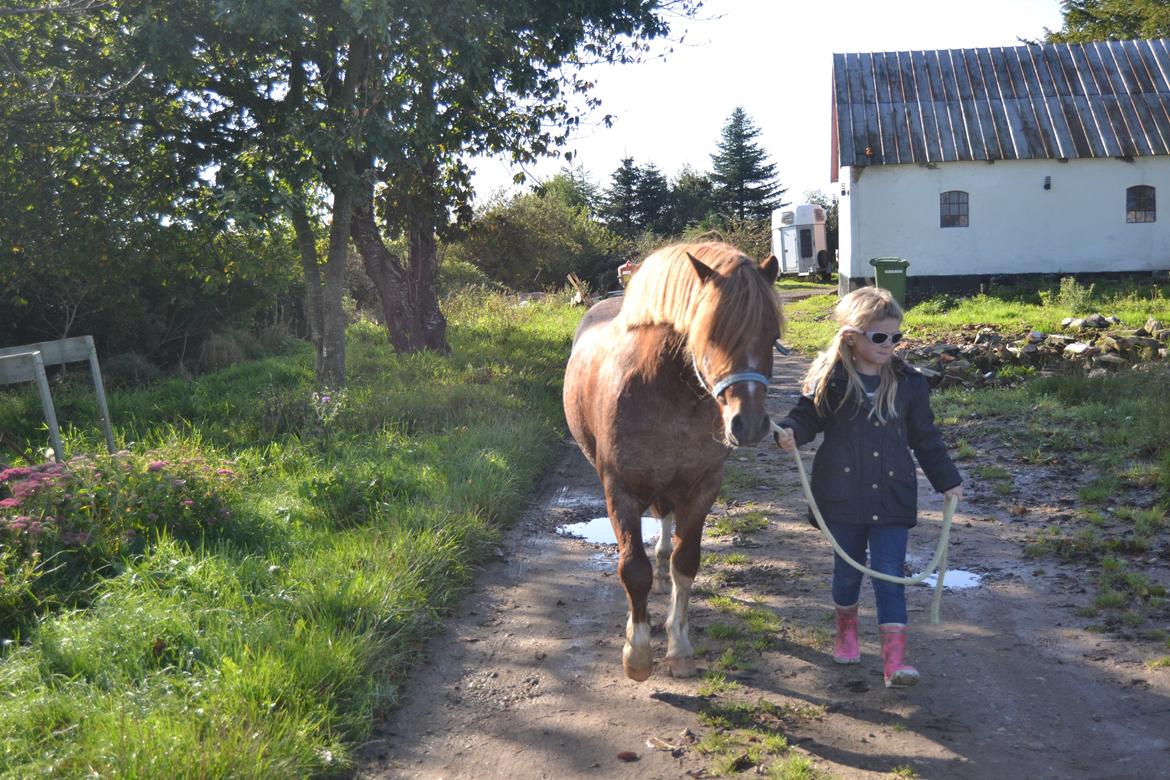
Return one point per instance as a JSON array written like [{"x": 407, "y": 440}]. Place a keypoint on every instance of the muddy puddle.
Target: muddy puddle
[
  {"x": 955, "y": 579},
  {"x": 600, "y": 531}
]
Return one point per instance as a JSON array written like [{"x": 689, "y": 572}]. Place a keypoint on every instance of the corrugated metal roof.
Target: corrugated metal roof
[{"x": 1107, "y": 99}]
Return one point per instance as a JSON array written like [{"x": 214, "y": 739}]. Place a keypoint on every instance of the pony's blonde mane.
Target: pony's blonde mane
[{"x": 715, "y": 320}]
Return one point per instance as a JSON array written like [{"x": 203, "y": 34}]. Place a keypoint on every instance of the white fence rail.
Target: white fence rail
[{"x": 27, "y": 363}]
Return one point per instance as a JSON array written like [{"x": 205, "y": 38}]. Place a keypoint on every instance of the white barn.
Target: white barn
[{"x": 975, "y": 164}]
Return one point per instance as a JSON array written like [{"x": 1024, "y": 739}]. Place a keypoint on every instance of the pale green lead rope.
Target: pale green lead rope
[{"x": 940, "y": 555}]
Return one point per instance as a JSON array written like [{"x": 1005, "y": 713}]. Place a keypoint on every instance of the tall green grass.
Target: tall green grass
[{"x": 267, "y": 648}]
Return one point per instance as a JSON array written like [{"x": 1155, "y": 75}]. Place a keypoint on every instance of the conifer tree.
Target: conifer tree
[
  {"x": 619, "y": 208},
  {"x": 746, "y": 186},
  {"x": 653, "y": 198}
]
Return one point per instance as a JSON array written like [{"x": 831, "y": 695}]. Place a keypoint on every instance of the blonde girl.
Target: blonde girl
[{"x": 874, "y": 411}]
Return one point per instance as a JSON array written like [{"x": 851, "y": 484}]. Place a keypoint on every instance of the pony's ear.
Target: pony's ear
[
  {"x": 770, "y": 268},
  {"x": 704, "y": 271}
]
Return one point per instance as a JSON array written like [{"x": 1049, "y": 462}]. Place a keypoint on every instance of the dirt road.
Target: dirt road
[{"x": 527, "y": 680}]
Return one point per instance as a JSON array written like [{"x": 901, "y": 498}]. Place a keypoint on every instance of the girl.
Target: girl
[{"x": 873, "y": 409}]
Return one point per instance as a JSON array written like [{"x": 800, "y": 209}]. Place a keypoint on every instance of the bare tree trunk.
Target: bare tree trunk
[
  {"x": 307, "y": 246},
  {"x": 389, "y": 277},
  {"x": 432, "y": 323}
]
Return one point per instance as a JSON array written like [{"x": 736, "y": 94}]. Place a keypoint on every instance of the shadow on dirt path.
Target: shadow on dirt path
[{"x": 526, "y": 681}]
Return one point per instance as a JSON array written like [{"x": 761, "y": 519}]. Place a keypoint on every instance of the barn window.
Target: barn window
[
  {"x": 952, "y": 208},
  {"x": 1139, "y": 204}
]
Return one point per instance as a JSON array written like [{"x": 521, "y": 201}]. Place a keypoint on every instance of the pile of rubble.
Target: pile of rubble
[{"x": 1091, "y": 345}]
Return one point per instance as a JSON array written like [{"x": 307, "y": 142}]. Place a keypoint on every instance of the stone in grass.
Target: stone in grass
[
  {"x": 958, "y": 365},
  {"x": 1108, "y": 344},
  {"x": 1095, "y": 321},
  {"x": 1080, "y": 349},
  {"x": 988, "y": 336}
]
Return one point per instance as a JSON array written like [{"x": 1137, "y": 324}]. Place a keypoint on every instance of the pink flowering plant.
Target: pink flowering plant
[{"x": 64, "y": 525}]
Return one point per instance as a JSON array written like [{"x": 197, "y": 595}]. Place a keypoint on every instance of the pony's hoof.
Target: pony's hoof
[
  {"x": 637, "y": 663},
  {"x": 683, "y": 666}
]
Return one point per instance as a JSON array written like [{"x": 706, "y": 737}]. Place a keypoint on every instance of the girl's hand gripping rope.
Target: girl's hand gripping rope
[{"x": 784, "y": 438}]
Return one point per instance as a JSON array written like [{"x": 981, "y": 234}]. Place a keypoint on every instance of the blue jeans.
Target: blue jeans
[{"x": 887, "y": 554}]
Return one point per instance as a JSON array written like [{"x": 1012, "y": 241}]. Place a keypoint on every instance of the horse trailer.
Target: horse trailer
[{"x": 798, "y": 240}]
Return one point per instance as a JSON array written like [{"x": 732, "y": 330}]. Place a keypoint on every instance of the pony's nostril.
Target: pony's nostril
[{"x": 737, "y": 427}]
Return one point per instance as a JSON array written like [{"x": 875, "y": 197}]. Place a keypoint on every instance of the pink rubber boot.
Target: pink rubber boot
[
  {"x": 845, "y": 649},
  {"x": 898, "y": 674}
]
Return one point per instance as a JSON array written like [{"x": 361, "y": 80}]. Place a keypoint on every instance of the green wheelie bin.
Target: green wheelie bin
[{"x": 890, "y": 274}]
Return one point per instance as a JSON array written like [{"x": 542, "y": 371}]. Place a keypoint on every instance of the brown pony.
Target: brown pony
[{"x": 661, "y": 384}]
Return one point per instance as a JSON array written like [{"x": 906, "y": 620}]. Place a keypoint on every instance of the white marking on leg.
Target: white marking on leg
[
  {"x": 636, "y": 653},
  {"x": 662, "y": 553},
  {"x": 677, "y": 643}
]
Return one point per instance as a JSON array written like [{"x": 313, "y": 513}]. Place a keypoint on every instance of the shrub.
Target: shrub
[
  {"x": 219, "y": 350},
  {"x": 276, "y": 339},
  {"x": 1074, "y": 296},
  {"x": 939, "y": 304},
  {"x": 128, "y": 370},
  {"x": 65, "y": 525},
  {"x": 456, "y": 274}
]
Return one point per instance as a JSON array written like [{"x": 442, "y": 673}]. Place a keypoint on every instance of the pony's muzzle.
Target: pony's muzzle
[
  {"x": 747, "y": 428},
  {"x": 742, "y": 397}
]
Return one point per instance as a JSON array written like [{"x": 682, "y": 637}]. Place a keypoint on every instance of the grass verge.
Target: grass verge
[{"x": 259, "y": 630}]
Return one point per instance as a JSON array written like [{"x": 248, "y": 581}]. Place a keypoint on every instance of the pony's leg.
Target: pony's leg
[
  {"x": 684, "y": 565},
  {"x": 636, "y": 574},
  {"x": 662, "y": 551}
]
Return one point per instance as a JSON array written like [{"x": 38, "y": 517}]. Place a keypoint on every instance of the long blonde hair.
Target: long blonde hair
[{"x": 855, "y": 312}]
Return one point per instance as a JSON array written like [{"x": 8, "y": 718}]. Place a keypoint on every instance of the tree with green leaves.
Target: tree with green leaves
[
  {"x": 745, "y": 182},
  {"x": 533, "y": 240},
  {"x": 106, "y": 231},
  {"x": 692, "y": 199},
  {"x": 573, "y": 186},
  {"x": 1117, "y": 20},
  {"x": 356, "y": 120}
]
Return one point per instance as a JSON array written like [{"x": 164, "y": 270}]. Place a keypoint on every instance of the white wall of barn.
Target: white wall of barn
[{"x": 1016, "y": 226}]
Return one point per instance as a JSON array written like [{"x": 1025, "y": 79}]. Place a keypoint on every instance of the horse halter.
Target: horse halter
[
  {"x": 738, "y": 378},
  {"x": 744, "y": 376}
]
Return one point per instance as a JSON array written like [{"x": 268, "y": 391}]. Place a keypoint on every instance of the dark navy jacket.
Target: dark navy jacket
[{"x": 863, "y": 473}]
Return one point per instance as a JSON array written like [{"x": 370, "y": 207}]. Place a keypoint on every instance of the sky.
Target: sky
[{"x": 774, "y": 58}]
